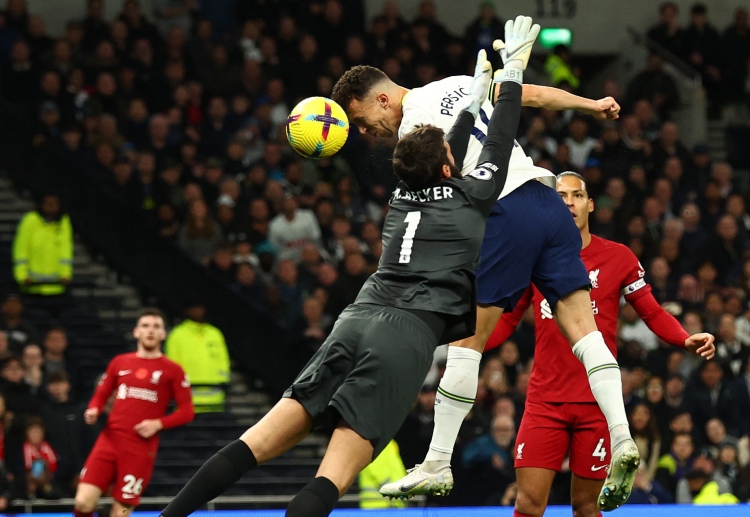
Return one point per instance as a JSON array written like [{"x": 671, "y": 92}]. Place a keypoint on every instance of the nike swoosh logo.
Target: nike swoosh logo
[
  {"x": 410, "y": 486},
  {"x": 124, "y": 372},
  {"x": 594, "y": 468},
  {"x": 128, "y": 496}
]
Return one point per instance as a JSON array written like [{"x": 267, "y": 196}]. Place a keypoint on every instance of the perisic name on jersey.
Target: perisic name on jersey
[{"x": 448, "y": 102}]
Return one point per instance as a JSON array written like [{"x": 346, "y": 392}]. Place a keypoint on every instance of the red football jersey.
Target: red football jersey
[
  {"x": 143, "y": 389},
  {"x": 558, "y": 375}
]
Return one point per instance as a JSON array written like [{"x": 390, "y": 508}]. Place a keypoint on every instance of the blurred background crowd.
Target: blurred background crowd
[{"x": 175, "y": 109}]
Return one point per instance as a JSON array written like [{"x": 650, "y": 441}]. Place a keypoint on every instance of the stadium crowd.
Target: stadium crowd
[{"x": 178, "y": 110}]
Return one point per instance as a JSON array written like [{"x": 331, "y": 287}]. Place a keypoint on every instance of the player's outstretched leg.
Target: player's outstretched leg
[
  {"x": 573, "y": 315},
  {"x": 453, "y": 401}
]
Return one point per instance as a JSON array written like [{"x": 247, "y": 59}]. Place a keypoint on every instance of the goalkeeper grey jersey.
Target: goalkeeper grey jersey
[{"x": 431, "y": 243}]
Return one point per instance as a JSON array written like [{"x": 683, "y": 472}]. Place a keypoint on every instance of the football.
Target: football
[{"x": 317, "y": 127}]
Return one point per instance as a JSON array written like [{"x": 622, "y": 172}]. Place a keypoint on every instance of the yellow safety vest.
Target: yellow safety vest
[
  {"x": 202, "y": 352},
  {"x": 43, "y": 253},
  {"x": 387, "y": 467}
]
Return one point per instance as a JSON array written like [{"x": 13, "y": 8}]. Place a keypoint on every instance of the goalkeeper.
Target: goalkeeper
[
  {"x": 366, "y": 375},
  {"x": 530, "y": 236}
]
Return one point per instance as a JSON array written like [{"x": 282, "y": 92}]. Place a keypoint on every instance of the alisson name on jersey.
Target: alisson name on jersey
[
  {"x": 425, "y": 195},
  {"x": 447, "y": 103}
]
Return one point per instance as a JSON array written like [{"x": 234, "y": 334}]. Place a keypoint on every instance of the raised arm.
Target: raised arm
[
  {"x": 556, "y": 99},
  {"x": 458, "y": 136},
  {"x": 501, "y": 130}
]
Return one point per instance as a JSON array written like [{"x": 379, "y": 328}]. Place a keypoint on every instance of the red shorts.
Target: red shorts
[
  {"x": 551, "y": 430},
  {"x": 126, "y": 468}
]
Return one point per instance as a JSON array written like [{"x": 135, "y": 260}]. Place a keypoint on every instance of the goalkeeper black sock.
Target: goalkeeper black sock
[
  {"x": 317, "y": 499},
  {"x": 220, "y": 472}
]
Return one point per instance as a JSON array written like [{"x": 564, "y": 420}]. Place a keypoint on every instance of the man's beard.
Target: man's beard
[{"x": 455, "y": 171}]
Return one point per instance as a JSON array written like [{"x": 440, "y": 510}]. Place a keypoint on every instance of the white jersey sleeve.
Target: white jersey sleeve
[{"x": 438, "y": 103}]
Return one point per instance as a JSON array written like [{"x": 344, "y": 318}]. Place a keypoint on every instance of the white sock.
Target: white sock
[
  {"x": 606, "y": 384},
  {"x": 454, "y": 400}
]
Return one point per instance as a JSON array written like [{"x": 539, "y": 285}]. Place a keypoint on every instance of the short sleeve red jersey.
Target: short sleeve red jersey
[
  {"x": 558, "y": 376},
  {"x": 143, "y": 389}
]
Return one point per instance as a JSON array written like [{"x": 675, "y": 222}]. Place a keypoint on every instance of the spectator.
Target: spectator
[
  {"x": 43, "y": 253},
  {"x": 292, "y": 229},
  {"x": 656, "y": 86},
  {"x": 710, "y": 395},
  {"x": 721, "y": 173},
  {"x": 33, "y": 364},
  {"x": 668, "y": 144},
  {"x": 40, "y": 461},
  {"x": 173, "y": 13},
  {"x": 646, "y": 435},
  {"x": 728, "y": 466},
  {"x": 221, "y": 264},
  {"x": 705, "y": 462},
  {"x": 728, "y": 347},
  {"x": 705, "y": 491},
  {"x": 63, "y": 419},
  {"x": 249, "y": 286},
  {"x": 317, "y": 324},
  {"x": 694, "y": 235},
  {"x": 675, "y": 465},
  {"x": 668, "y": 33},
  {"x": 56, "y": 357},
  {"x": 350, "y": 281},
  {"x": 484, "y": 30},
  {"x": 702, "y": 51},
  {"x": 200, "y": 235},
  {"x": 489, "y": 458},
  {"x": 18, "y": 331},
  {"x": 734, "y": 49},
  {"x": 726, "y": 249},
  {"x": 19, "y": 399},
  {"x": 200, "y": 349},
  {"x": 291, "y": 295},
  {"x": 579, "y": 142},
  {"x": 509, "y": 357},
  {"x": 559, "y": 70}
]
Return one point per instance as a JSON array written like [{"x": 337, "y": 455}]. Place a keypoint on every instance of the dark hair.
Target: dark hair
[
  {"x": 152, "y": 311},
  {"x": 32, "y": 421},
  {"x": 696, "y": 474},
  {"x": 356, "y": 83},
  {"x": 575, "y": 175},
  {"x": 651, "y": 431},
  {"x": 58, "y": 376},
  {"x": 419, "y": 156},
  {"x": 698, "y": 9}
]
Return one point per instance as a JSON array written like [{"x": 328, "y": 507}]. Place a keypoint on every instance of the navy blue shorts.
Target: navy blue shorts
[{"x": 530, "y": 237}]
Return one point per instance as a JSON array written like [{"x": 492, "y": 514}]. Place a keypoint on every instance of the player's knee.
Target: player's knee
[
  {"x": 529, "y": 503},
  {"x": 84, "y": 503}
]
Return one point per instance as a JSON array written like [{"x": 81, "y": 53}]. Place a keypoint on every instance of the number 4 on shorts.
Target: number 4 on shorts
[{"x": 600, "y": 452}]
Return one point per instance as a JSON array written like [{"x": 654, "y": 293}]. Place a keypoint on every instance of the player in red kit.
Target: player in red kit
[
  {"x": 561, "y": 415},
  {"x": 144, "y": 382}
]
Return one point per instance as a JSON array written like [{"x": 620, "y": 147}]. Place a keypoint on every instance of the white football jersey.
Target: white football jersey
[{"x": 438, "y": 104}]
